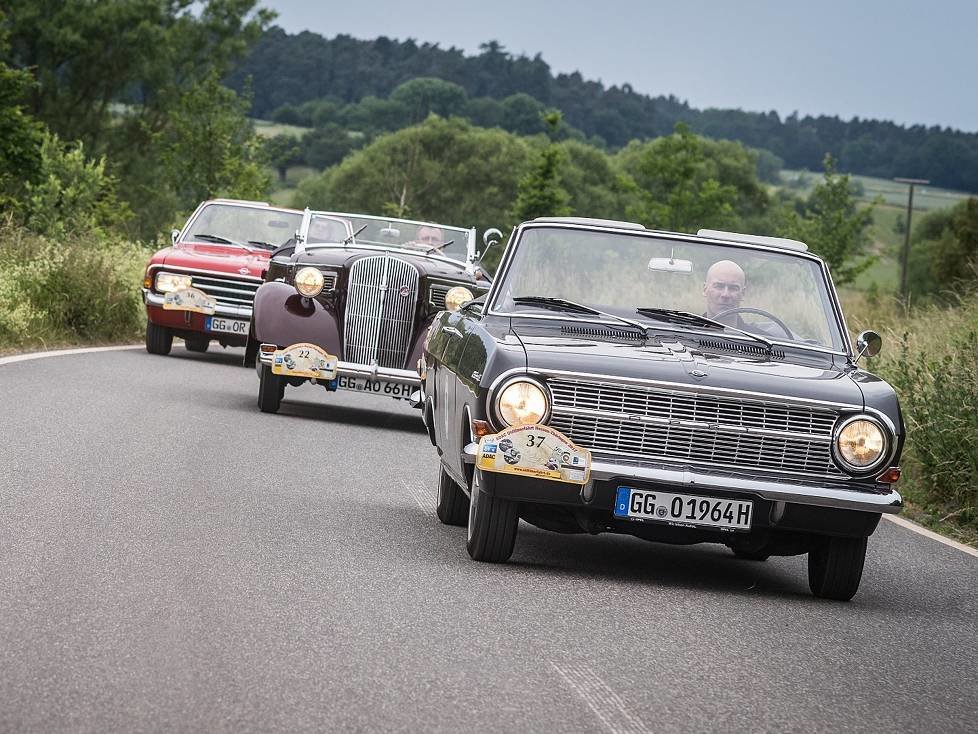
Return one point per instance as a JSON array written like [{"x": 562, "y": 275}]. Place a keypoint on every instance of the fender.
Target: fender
[{"x": 282, "y": 317}]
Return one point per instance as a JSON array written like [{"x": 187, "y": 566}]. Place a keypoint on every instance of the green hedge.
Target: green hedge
[
  {"x": 931, "y": 357},
  {"x": 76, "y": 288}
]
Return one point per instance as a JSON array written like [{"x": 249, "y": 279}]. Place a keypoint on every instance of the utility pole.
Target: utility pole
[{"x": 905, "y": 255}]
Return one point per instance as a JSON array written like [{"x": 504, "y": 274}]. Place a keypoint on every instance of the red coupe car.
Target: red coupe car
[{"x": 202, "y": 287}]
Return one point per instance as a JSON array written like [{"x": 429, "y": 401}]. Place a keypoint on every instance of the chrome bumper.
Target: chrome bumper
[
  {"x": 888, "y": 500},
  {"x": 350, "y": 369},
  {"x": 234, "y": 312}
]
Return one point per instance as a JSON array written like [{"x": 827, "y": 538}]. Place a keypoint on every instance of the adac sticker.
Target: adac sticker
[
  {"x": 535, "y": 451},
  {"x": 304, "y": 360},
  {"x": 190, "y": 299}
]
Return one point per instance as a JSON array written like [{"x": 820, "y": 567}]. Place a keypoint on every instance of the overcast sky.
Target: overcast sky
[{"x": 912, "y": 62}]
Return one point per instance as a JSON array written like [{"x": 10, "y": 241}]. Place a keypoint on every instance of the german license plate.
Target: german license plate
[
  {"x": 683, "y": 509},
  {"x": 226, "y": 326},
  {"x": 375, "y": 387}
]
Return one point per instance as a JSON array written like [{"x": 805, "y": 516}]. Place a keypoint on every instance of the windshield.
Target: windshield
[
  {"x": 779, "y": 296},
  {"x": 386, "y": 232},
  {"x": 255, "y": 226}
]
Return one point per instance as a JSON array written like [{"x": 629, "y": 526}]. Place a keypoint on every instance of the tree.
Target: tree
[
  {"x": 832, "y": 225},
  {"x": 210, "y": 148},
  {"x": 676, "y": 184},
  {"x": 440, "y": 170},
  {"x": 282, "y": 151},
  {"x": 326, "y": 146},
  {"x": 426, "y": 95},
  {"x": 20, "y": 135},
  {"x": 539, "y": 193}
]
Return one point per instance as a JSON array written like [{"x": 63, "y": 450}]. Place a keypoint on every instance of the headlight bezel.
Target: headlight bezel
[
  {"x": 889, "y": 440},
  {"x": 496, "y": 393},
  {"x": 313, "y": 292},
  {"x": 186, "y": 280}
]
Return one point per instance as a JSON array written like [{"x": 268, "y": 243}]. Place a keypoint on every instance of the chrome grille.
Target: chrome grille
[
  {"x": 228, "y": 291},
  {"x": 381, "y": 297},
  {"x": 655, "y": 423},
  {"x": 437, "y": 294}
]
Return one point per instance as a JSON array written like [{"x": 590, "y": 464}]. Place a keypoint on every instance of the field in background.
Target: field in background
[{"x": 269, "y": 129}]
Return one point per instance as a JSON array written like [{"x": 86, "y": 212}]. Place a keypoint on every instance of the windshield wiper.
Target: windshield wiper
[
  {"x": 266, "y": 245},
  {"x": 562, "y": 304},
  {"x": 219, "y": 240},
  {"x": 685, "y": 317},
  {"x": 349, "y": 240}
]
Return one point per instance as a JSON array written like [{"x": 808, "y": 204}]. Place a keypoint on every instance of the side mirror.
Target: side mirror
[
  {"x": 868, "y": 344},
  {"x": 174, "y": 234},
  {"x": 489, "y": 238}
]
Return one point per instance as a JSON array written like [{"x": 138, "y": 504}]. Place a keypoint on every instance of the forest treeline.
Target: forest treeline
[{"x": 286, "y": 70}]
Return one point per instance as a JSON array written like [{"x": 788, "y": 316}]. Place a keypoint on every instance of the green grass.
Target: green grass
[
  {"x": 269, "y": 129},
  {"x": 925, "y": 198}
]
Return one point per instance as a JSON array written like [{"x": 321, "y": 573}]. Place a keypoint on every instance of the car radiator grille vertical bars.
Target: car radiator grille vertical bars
[
  {"x": 661, "y": 424},
  {"x": 380, "y": 304}
]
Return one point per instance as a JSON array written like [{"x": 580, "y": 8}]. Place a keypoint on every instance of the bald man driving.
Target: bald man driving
[{"x": 724, "y": 289}]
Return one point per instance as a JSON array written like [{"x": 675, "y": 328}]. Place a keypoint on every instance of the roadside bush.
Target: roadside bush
[
  {"x": 931, "y": 358},
  {"x": 77, "y": 288}
]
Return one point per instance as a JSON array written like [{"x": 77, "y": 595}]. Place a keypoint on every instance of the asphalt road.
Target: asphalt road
[{"x": 173, "y": 560}]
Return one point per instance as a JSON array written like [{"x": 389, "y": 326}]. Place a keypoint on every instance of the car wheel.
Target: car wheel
[
  {"x": 271, "y": 389},
  {"x": 251, "y": 352},
  {"x": 159, "y": 339},
  {"x": 748, "y": 555},
  {"x": 835, "y": 567},
  {"x": 453, "y": 505},
  {"x": 493, "y": 523},
  {"x": 196, "y": 342}
]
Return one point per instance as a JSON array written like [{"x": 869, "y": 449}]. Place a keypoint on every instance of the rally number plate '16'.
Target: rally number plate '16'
[
  {"x": 304, "y": 360},
  {"x": 539, "y": 452}
]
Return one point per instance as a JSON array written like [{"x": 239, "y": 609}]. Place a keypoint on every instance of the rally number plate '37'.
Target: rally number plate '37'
[
  {"x": 539, "y": 452},
  {"x": 189, "y": 299},
  {"x": 304, "y": 360}
]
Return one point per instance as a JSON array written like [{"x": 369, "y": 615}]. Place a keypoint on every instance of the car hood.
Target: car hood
[
  {"x": 218, "y": 258},
  {"x": 686, "y": 366}
]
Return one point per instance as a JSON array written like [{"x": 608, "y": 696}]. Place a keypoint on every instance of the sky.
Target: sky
[{"x": 910, "y": 62}]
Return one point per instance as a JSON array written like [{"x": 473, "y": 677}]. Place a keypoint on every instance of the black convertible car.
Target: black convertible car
[{"x": 678, "y": 388}]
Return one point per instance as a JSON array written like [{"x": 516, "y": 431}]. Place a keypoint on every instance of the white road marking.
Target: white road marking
[
  {"x": 419, "y": 496},
  {"x": 607, "y": 705},
  {"x": 920, "y": 530},
  {"x": 63, "y": 352}
]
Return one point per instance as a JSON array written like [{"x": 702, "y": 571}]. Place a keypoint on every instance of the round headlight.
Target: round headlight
[
  {"x": 169, "y": 282},
  {"x": 861, "y": 443},
  {"x": 521, "y": 403},
  {"x": 309, "y": 282},
  {"x": 456, "y": 297}
]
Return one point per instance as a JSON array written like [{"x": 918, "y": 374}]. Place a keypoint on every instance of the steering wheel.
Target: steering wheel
[{"x": 759, "y": 312}]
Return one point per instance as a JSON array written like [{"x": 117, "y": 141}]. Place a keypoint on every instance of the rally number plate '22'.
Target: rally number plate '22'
[
  {"x": 304, "y": 360},
  {"x": 534, "y": 451},
  {"x": 189, "y": 299}
]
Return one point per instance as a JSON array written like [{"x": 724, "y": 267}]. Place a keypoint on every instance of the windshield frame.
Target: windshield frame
[
  {"x": 186, "y": 234},
  {"x": 468, "y": 263},
  {"x": 502, "y": 273}
]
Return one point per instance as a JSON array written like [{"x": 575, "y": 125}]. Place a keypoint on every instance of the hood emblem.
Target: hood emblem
[
  {"x": 697, "y": 373},
  {"x": 403, "y": 291},
  {"x": 243, "y": 271}
]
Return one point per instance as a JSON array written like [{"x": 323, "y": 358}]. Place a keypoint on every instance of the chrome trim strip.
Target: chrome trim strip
[
  {"x": 237, "y": 312},
  {"x": 803, "y": 494}
]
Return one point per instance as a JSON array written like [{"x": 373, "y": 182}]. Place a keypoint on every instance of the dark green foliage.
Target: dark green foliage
[
  {"x": 540, "y": 193},
  {"x": 326, "y": 146},
  {"x": 290, "y": 69},
  {"x": 282, "y": 151},
  {"x": 20, "y": 135}
]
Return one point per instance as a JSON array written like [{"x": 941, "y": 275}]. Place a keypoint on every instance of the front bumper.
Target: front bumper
[
  {"x": 372, "y": 372},
  {"x": 234, "y": 312},
  {"x": 879, "y": 499}
]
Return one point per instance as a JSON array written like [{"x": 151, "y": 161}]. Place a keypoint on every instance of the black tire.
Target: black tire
[
  {"x": 748, "y": 555},
  {"x": 251, "y": 352},
  {"x": 271, "y": 388},
  {"x": 453, "y": 505},
  {"x": 835, "y": 567},
  {"x": 492, "y": 525},
  {"x": 159, "y": 339},
  {"x": 197, "y": 342}
]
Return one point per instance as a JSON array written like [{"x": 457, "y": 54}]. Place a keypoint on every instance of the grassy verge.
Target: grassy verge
[
  {"x": 76, "y": 289},
  {"x": 930, "y": 356}
]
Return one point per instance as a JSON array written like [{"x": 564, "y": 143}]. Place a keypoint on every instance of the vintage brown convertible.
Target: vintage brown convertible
[{"x": 347, "y": 303}]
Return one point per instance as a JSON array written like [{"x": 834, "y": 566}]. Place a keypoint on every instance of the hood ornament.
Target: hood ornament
[{"x": 243, "y": 271}]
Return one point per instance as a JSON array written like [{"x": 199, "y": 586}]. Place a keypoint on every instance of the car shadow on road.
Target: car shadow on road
[
  {"x": 349, "y": 415},
  {"x": 225, "y": 357}
]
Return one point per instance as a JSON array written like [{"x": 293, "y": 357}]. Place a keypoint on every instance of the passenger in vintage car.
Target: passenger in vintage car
[{"x": 588, "y": 392}]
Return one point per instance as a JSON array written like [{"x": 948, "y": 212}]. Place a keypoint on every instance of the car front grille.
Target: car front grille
[
  {"x": 652, "y": 423},
  {"x": 228, "y": 291},
  {"x": 380, "y": 302}
]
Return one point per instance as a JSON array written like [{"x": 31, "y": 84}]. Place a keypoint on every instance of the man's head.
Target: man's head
[
  {"x": 724, "y": 287},
  {"x": 430, "y": 236}
]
